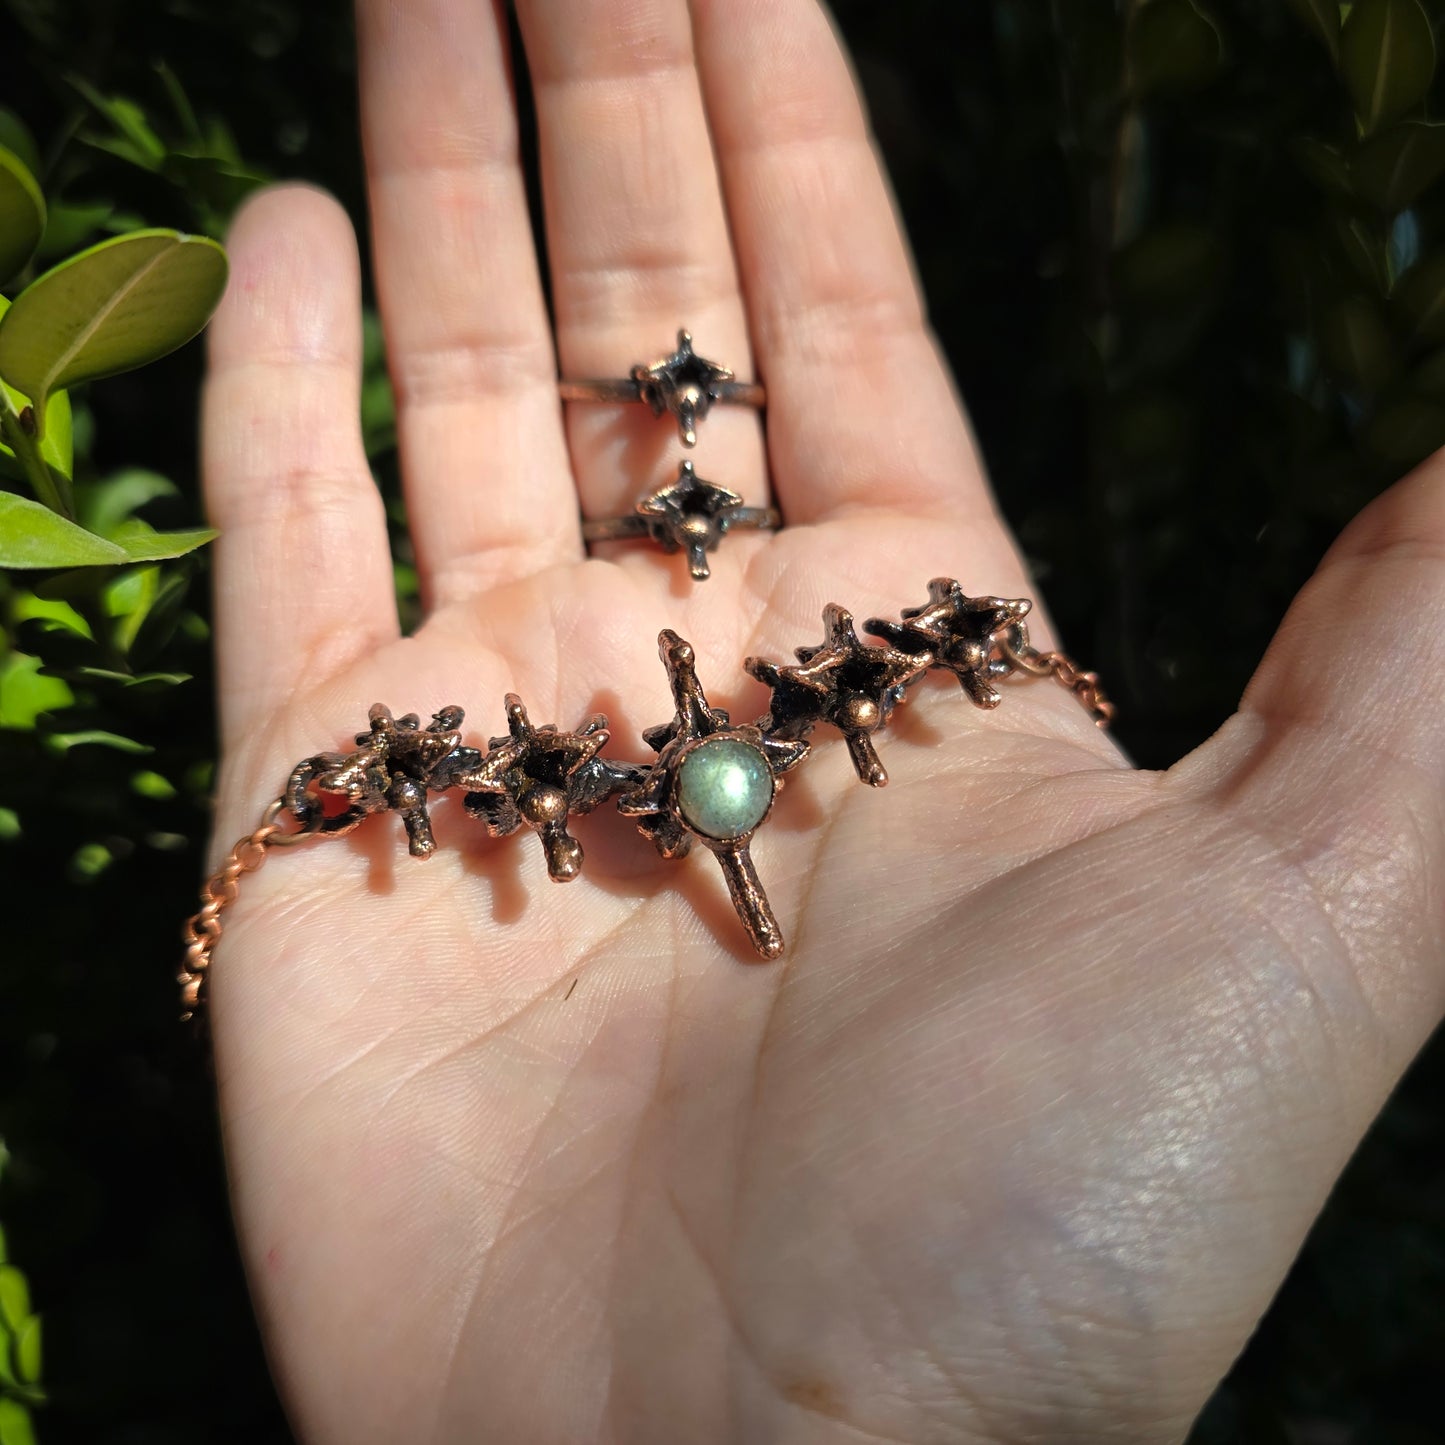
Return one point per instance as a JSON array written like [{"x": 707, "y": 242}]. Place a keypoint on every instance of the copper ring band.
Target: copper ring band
[
  {"x": 625, "y": 528},
  {"x": 684, "y": 384},
  {"x": 626, "y": 388}
]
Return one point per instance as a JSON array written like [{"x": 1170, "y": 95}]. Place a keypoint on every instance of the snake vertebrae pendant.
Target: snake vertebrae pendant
[{"x": 710, "y": 781}]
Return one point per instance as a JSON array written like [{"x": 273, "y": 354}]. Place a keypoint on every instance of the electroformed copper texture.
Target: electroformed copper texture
[
  {"x": 684, "y": 384},
  {"x": 848, "y": 683},
  {"x": 690, "y": 514},
  {"x": 959, "y": 634},
  {"x": 710, "y": 781},
  {"x": 395, "y": 764},
  {"x": 728, "y": 810},
  {"x": 542, "y": 776}
]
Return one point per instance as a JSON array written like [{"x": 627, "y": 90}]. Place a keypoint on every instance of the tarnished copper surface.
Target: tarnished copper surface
[
  {"x": 685, "y": 384},
  {"x": 542, "y": 776},
  {"x": 689, "y": 515},
  {"x": 850, "y": 684},
  {"x": 654, "y": 802}
]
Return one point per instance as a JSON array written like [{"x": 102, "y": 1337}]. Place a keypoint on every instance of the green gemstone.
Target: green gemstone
[{"x": 724, "y": 788}]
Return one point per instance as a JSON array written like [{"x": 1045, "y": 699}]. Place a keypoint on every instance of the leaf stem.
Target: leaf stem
[{"x": 20, "y": 440}]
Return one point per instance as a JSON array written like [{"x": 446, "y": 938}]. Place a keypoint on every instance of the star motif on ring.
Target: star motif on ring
[
  {"x": 850, "y": 684},
  {"x": 542, "y": 776},
  {"x": 691, "y": 515},
  {"x": 959, "y": 632},
  {"x": 684, "y": 384},
  {"x": 715, "y": 783}
]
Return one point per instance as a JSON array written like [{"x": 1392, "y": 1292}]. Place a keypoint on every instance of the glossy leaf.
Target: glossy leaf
[
  {"x": 105, "y": 504},
  {"x": 15, "y": 1426},
  {"x": 1387, "y": 59},
  {"x": 26, "y": 692},
  {"x": 116, "y": 306},
  {"x": 26, "y": 1351},
  {"x": 144, "y": 544},
  {"x": 1392, "y": 170},
  {"x": 22, "y": 214},
  {"x": 1172, "y": 46},
  {"x": 32, "y": 536},
  {"x": 57, "y": 442},
  {"x": 63, "y": 742},
  {"x": 1323, "y": 18},
  {"x": 14, "y": 1297},
  {"x": 15, "y": 136},
  {"x": 1419, "y": 298}
]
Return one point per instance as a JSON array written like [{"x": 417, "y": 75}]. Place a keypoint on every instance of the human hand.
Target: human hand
[{"x": 1020, "y": 1135}]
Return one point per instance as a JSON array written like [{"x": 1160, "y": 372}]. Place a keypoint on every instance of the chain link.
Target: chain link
[
  {"x": 1085, "y": 686},
  {"x": 202, "y": 930}
]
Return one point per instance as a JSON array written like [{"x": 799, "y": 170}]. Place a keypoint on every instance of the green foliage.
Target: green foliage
[
  {"x": 20, "y": 1348},
  {"x": 22, "y": 214}
]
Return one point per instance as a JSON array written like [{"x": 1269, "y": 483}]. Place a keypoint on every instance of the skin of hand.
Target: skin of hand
[{"x": 1021, "y": 1134}]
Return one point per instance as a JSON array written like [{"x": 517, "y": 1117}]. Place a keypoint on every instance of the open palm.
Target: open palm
[{"x": 1021, "y": 1133}]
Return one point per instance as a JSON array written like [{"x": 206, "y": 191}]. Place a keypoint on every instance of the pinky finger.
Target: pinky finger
[{"x": 302, "y": 566}]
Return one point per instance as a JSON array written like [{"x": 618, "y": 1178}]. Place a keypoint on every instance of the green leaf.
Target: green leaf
[
  {"x": 57, "y": 439},
  {"x": 15, "y": 1427},
  {"x": 142, "y": 543},
  {"x": 4, "y": 1251},
  {"x": 1323, "y": 17},
  {"x": 26, "y": 693},
  {"x": 15, "y": 136},
  {"x": 27, "y": 1351},
  {"x": 105, "y": 504},
  {"x": 1356, "y": 343},
  {"x": 32, "y": 536},
  {"x": 1392, "y": 170},
  {"x": 1419, "y": 298},
  {"x": 71, "y": 224},
  {"x": 116, "y": 306},
  {"x": 129, "y": 121},
  {"x": 1172, "y": 46},
  {"x": 9, "y": 832},
  {"x": 1387, "y": 59},
  {"x": 63, "y": 742},
  {"x": 22, "y": 214},
  {"x": 14, "y": 1296},
  {"x": 152, "y": 785}
]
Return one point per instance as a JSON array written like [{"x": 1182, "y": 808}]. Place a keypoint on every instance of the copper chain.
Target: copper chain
[
  {"x": 202, "y": 930},
  {"x": 1085, "y": 686}
]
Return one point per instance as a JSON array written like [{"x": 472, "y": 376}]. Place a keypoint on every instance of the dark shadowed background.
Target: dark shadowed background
[{"x": 1195, "y": 302}]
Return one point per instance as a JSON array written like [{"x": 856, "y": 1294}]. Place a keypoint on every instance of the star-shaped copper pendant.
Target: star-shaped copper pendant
[
  {"x": 960, "y": 633},
  {"x": 542, "y": 776},
  {"x": 850, "y": 684},
  {"x": 684, "y": 384},
  {"x": 691, "y": 515},
  {"x": 715, "y": 783},
  {"x": 396, "y": 763}
]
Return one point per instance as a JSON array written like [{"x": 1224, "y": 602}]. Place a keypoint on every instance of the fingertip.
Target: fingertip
[{"x": 295, "y": 284}]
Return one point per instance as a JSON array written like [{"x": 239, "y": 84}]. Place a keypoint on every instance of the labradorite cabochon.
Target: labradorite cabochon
[{"x": 724, "y": 788}]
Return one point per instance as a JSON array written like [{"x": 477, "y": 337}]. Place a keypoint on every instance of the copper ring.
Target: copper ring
[
  {"x": 688, "y": 515},
  {"x": 685, "y": 384}
]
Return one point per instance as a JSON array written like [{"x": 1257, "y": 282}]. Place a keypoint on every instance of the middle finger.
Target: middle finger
[{"x": 637, "y": 238}]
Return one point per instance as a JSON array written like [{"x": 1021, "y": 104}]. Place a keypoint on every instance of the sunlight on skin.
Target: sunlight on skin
[{"x": 1020, "y": 1135}]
